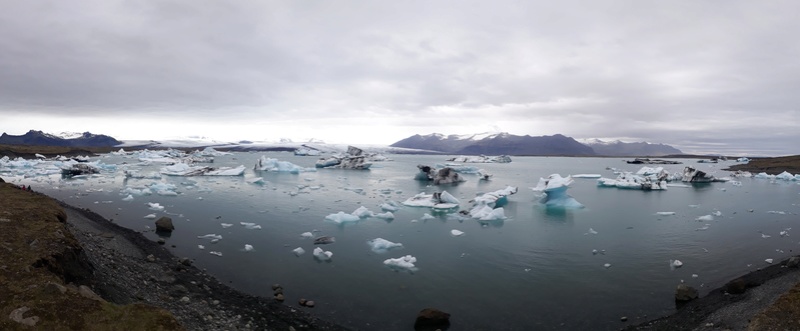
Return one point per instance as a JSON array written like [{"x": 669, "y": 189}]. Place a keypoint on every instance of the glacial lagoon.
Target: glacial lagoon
[{"x": 543, "y": 269}]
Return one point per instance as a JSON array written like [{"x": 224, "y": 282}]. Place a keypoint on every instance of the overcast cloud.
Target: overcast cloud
[{"x": 704, "y": 76}]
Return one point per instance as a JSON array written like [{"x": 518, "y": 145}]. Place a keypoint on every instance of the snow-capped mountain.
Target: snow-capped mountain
[
  {"x": 39, "y": 138},
  {"x": 496, "y": 143}
]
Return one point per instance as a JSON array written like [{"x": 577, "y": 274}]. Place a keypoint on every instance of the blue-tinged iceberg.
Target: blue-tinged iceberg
[
  {"x": 445, "y": 175},
  {"x": 555, "y": 188},
  {"x": 628, "y": 180},
  {"x": 183, "y": 169},
  {"x": 355, "y": 158}
]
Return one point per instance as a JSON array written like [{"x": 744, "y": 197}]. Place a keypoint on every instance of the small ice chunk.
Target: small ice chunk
[
  {"x": 321, "y": 254},
  {"x": 385, "y": 216},
  {"x": 388, "y": 207},
  {"x": 226, "y": 225},
  {"x": 765, "y": 236},
  {"x": 201, "y": 247},
  {"x": 586, "y": 176},
  {"x": 591, "y": 231},
  {"x": 155, "y": 206},
  {"x": 776, "y": 212},
  {"x": 150, "y": 216},
  {"x": 128, "y": 198},
  {"x": 456, "y": 233},
  {"x": 717, "y": 213},
  {"x": 215, "y": 253},
  {"x": 703, "y": 228},
  {"x": 250, "y": 226},
  {"x": 299, "y": 251},
  {"x": 380, "y": 245},
  {"x": 402, "y": 263},
  {"x": 768, "y": 261},
  {"x": 210, "y": 236},
  {"x": 704, "y": 218},
  {"x": 248, "y": 248},
  {"x": 426, "y": 217},
  {"x": 665, "y": 213},
  {"x": 607, "y": 265},
  {"x": 307, "y": 235},
  {"x": 675, "y": 264}
]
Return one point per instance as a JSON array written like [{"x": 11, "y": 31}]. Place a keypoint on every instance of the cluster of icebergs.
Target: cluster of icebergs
[{"x": 481, "y": 159}]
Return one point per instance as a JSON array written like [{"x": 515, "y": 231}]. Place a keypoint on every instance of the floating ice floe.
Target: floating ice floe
[
  {"x": 442, "y": 176},
  {"x": 215, "y": 253},
  {"x": 250, "y": 226},
  {"x": 299, "y": 251},
  {"x": 456, "y": 233},
  {"x": 703, "y": 228},
  {"x": 307, "y": 235},
  {"x": 270, "y": 164},
  {"x": 150, "y": 216},
  {"x": 155, "y": 206},
  {"x": 389, "y": 207},
  {"x": 164, "y": 189},
  {"x": 628, "y": 180},
  {"x": 436, "y": 200},
  {"x": 586, "y": 176},
  {"x": 768, "y": 261},
  {"x": 402, "y": 263},
  {"x": 136, "y": 175},
  {"x": 591, "y": 231},
  {"x": 257, "y": 181},
  {"x": 607, "y": 265},
  {"x": 248, "y": 248},
  {"x": 201, "y": 247},
  {"x": 210, "y": 236},
  {"x": 705, "y": 218},
  {"x": 362, "y": 212},
  {"x": 321, "y": 254},
  {"x": 776, "y": 212},
  {"x": 481, "y": 159},
  {"x": 385, "y": 216},
  {"x": 342, "y": 217},
  {"x": 674, "y": 264},
  {"x": 226, "y": 225},
  {"x": 787, "y": 176},
  {"x": 183, "y": 169},
  {"x": 765, "y": 236},
  {"x": 665, "y": 213},
  {"x": 555, "y": 192},
  {"x": 459, "y": 168},
  {"x": 380, "y": 245},
  {"x": 128, "y": 198},
  {"x": 426, "y": 217},
  {"x": 484, "y": 175}
]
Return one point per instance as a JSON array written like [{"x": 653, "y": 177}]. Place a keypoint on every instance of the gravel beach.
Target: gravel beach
[{"x": 130, "y": 268}]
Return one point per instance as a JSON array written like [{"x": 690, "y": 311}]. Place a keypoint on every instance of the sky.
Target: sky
[{"x": 717, "y": 76}]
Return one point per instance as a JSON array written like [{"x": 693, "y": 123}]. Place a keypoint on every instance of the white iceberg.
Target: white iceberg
[
  {"x": 363, "y": 212},
  {"x": 248, "y": 248},
  {"x": 402, "y": 263},
  {"x": 705, "y": 218},
  {"x": 586, "y": 176},
  {"x": 380, "y": 245},
  {"x": 307, "y": 235},
  {"x": 786, "y": 176},
  {"x": 385, "y": 216},
  {"x": 456, "y": 233},
  {"x": 436, "y": 200},
  {"x": 299, "y": 251},
  {"x": 128, "y": 198},
  {"x": 226, "y": 225},
  {"x": 665, "y": 213},
  {"x": 210, "y": 236},
  {"x": 555, "y": 190},
  {"x": 183, "y": 169},
  {"x": 150, "y": 216},
  {"x": 481, "y": 159},
  {"x": 270, "y": 164},
  {"x": 155, "y": 206},
  {"x": 342, "y": 217},
  {"x": 388, "y": 207},
  {"x": 321, "y": 254},
  {"x": 628, "y": 180}
]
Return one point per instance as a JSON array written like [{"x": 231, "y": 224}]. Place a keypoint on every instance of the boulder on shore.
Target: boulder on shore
[
  {"x": 164, "y": 224},
  {"x": 685, "y": 293},
  {"x": 432, "y": 319}
]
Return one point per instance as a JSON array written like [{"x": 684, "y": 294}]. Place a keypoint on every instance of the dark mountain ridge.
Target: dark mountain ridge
[
  {"x": 497, "y": 144},
  {"x": 39, "y": 138}
]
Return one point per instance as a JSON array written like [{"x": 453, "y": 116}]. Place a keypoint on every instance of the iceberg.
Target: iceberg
[
  {"x": 128, "y": 198},
  {"x": 184, "y": 169},
  {"x": 299, "y": 251},
  {"x": 270, "y": 164},
  {"x": 692, "y": 175},
  {"x": 445, "y": 175},
  {"x": 456, "y": 233},
  {"x": 786, "y": 176},
  {"x": 307, "y": 235},
  {"x": 307, "y": 151},
  {"x": 436, "y": 200},
  {"x": 355, "y": 158},
  {"x": 342, "y": 217},
  {"x": 459, "y": 168},
  {"x": 248, "y": 248},
  {"x": 79, "y": 169},
  {"x": 250, "y": 226},
  {"x": 210, "y": 236},
  {"x": 380, "y": 245},
  {"x": 555, "y": 192},
  {"x": 155, "y": 206},
  {"x": 405, "y": 263},
  {"x": 481, "y": 159},
  {"x": 363, "y": 212},
  {"x": 495, "y": 199},
  {"x": 705, "y": 218},
  {"x": 628, "y": 180},
  {"x": 388, "y": 207},
  {"x": 321, "y": 254},
  {"x": 385, "y": 216}
]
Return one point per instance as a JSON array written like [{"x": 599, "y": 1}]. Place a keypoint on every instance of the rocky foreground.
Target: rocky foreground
[
  {"x": 770, "y": 165},
  {"x": 63, "y": 268}
]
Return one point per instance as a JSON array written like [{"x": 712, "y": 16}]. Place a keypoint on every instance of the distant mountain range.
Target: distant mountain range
[
  {"x": 619, "y": 148},
  {"x": 505, "y": 143},
  {"x": 39, "y": 138}
]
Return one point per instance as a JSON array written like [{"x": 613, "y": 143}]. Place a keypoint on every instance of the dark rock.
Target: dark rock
[
  {"x": 323, "y": 240},
  {"x": 431, "y": 319},
  {"x": 302, "y": 302},
  {"x": 185, "y": 261},
  {"x": 685, "y": 293},
  {"x": 736, "y": 286},
  {"x": 310, "y": 304},
  {"x": 793, "y": 262},
  {"x": 279, "y": 297},
  {"x": 276, "y": 286},
  {"x": 1, "y": 180},
  {"x": 162, "y": 241},
  {"x": 53, "y": 288},
  {"x": 164, "y": 224},
  {"x": 623, "y": 318}
]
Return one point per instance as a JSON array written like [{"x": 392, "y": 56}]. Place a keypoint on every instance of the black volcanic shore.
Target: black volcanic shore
[{"x": 128, "y": 270}]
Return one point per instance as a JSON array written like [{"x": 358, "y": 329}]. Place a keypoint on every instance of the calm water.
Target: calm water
[{"x": 534, "y": 270}]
